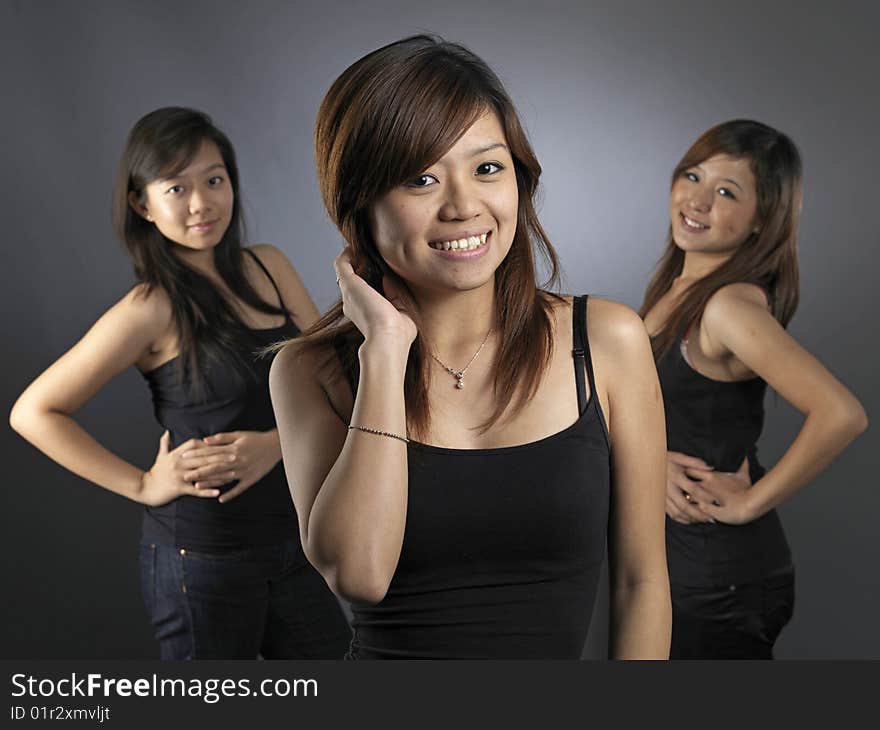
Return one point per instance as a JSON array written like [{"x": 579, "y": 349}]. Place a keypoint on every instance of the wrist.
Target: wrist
[
  {"x": 384, "y": 351},
  {"x": 140, "y": 487},
  {"x": 753, "y": 503}
]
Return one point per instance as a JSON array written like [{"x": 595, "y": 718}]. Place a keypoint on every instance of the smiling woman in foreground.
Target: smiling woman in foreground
[{"x": 458, "y": 441}]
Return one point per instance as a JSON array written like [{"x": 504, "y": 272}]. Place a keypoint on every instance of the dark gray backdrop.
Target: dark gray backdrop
[{"x": 611, "y": 93}]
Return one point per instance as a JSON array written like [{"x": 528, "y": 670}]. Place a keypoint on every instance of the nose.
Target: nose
[
  {"x": 701, "y": 199},
  {"x": 461, "y": 202},
  {"x": 198, "y": 201}
]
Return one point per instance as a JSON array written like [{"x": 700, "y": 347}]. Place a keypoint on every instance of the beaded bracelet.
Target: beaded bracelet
[{"x": 379, "y": 433}]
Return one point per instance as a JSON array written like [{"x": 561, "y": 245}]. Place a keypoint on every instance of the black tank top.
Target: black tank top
[
  {"x": 719, "y": 422},
  {"x": 502, "y": 547},
  {"x": 264, "y": 513}
]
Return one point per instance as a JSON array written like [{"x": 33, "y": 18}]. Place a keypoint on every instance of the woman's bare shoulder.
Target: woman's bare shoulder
[
  {"x": 735, "y": 309},
  {"x": 270, "y": 256},
  {"x": 296, "y": 359},
  {"x": 311, "y": 367},
  {"x": 145, "y": 307},
  {"x": 737, "y": 294},
  {"x": 614, "y": 326},
  {"x": 615, "y": 332}
]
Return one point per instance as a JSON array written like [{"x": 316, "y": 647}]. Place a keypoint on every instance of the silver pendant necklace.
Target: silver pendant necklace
[{"x": 459, "y": 374}]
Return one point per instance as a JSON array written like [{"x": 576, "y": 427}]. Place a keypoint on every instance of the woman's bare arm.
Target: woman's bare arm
[
  {"x": 43, "y": 413},
  {"x": 349, "y": 487},
  {"x": 641, "y": 612},
  {"x": 737, "y": 320}
]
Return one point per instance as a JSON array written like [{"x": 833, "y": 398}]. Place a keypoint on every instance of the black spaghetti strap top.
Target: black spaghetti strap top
[
  {"x": 502, "y": 547},
  {"x": 264, "y": 513},
  {"x": 719, "y": 422}
]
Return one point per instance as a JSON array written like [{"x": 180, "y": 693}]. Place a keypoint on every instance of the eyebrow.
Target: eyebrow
[
  {"x": 202, "y": 172},
  {"x": 731, "y": 180},
  {"x": 724, "y": 179},
  {"x": 489, "y": 147}
]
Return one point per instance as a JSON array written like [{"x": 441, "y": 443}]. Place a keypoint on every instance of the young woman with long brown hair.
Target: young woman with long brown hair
[
  {"x": 222, "y": 570},
  {"x": 459, "y": 442},
  {"x": 717, "y": 307}
]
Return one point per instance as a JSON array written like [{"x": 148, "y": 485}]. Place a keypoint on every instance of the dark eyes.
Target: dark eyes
[
  {"x": 489, "y": 168},
  {"x": 483, "y": 170},
  {"x": 212, "y": 181},
  {"x": 422, "y": 181},
  {"x": 724, "y": 192}
]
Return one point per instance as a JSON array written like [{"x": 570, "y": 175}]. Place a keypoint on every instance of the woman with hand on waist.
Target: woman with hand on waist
[
  {"x": 222, "y": 570},
  {"x": 717, "y": 309}
]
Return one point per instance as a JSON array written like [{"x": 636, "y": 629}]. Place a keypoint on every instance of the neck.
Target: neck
[
  {"x": 699, "y": 265},
  {"x": 455, "y": 324},
  {"x": 201, "y": 261}
]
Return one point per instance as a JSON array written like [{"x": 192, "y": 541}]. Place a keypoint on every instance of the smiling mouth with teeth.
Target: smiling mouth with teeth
[
  {"x": 691, "y": 223},
  {"x": 469, "y": 243}
]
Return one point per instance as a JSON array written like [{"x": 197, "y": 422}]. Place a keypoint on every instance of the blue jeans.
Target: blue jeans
[{"x": 265, "y": 600}]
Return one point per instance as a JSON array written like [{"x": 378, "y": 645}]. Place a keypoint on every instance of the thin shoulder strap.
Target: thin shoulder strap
[
  {"x": 274, "y": 285},
  {"x": 581, "y": 352}
]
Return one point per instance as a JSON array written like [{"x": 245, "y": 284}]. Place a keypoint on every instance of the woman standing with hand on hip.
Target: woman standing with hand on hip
[
  {"x": 222, "y": 570},
  {"x": 717, "y": 309},
  {"x": 459, "y": 442}
]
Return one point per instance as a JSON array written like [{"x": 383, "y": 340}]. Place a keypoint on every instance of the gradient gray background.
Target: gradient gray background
[{"x": 612, "y": 95}]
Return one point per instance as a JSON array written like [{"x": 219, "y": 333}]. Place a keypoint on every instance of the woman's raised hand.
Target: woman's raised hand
[
  {"x": 165, "y": 480},
  {"x": 381, "y": 318}
]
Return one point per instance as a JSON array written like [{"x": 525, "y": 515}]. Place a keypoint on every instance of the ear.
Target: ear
[{"x": 138, "y": 207}]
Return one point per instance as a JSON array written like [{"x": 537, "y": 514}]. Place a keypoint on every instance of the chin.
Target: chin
[
  {"x": 203, "y": 245},
  {"x": 697, "y": 248},
  {"x": 680, "y": 246},
  {"x": 686, "y": 243},
  {"x": 473, "y": 283}
]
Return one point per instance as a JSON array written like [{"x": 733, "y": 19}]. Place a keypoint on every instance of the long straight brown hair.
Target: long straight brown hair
[
  {"x": 767, "y": 258},
  {"x": 387, "y": 118},
  {"x": 210, "y": 331}
]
